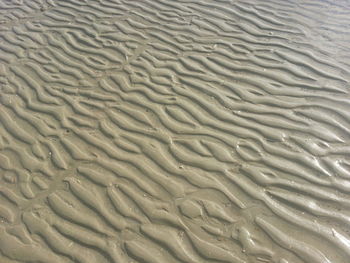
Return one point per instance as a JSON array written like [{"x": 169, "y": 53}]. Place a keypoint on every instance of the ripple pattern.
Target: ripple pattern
[{"x": 161, "y": 131}]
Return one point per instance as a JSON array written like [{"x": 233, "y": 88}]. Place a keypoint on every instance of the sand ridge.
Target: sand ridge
[{"x": 174, "y": 131}]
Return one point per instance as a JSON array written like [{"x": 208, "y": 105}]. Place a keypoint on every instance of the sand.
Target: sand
[{"x": 163, "y": 131}]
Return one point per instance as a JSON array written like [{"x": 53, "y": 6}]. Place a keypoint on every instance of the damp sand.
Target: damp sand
[{"x": 162, "y": 131}]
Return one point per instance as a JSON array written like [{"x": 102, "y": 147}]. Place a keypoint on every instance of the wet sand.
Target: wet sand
[{"x": 161, "y": 131}]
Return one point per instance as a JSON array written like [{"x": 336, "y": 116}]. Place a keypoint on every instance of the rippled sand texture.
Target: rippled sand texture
[{"x": 174, "y": 131}]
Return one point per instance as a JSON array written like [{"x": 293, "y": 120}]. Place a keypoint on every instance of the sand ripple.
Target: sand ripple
[{"x": 174, "y": 131}]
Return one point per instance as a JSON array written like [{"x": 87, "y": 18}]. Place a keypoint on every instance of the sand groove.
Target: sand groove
[{"x": 174, "y": 131}]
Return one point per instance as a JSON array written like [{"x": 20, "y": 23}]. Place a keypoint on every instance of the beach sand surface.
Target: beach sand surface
[{"x": 165, "y": 131}]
